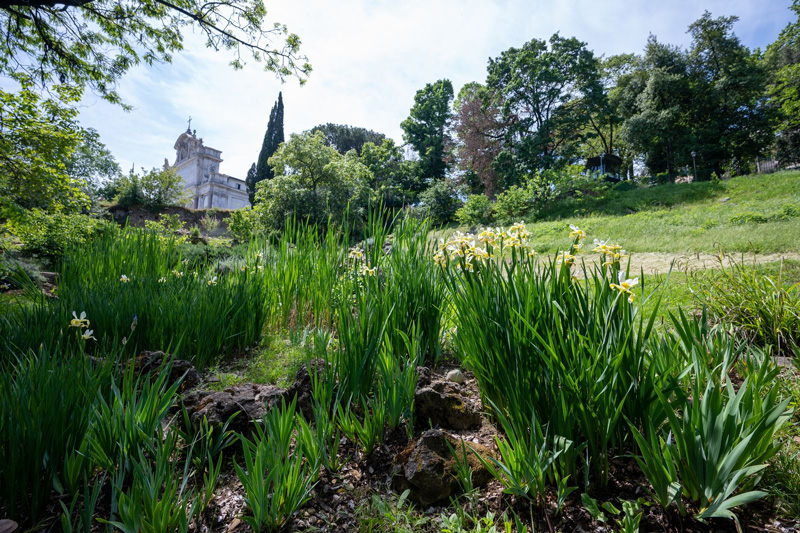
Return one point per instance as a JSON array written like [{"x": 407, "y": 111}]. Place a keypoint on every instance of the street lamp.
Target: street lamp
[{"x": 694, "y": 164}]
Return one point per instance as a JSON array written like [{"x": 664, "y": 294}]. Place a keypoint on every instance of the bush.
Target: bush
[
  {"x": 166, "y": 224},
  {"x": 242, "y": 224},
  {"x": 442, "y": 202},
  {"x": 49, "y": 235},
  {"x": 153, "y": 189},
  {"x": 209, "y": 223},
  {"x": 513, "y": 203},
  {"x": 476, "y": 210}
]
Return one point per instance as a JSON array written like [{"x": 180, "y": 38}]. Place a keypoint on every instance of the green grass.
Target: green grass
[
  {"x": 275, "y": 362},
  {"x": 761, "y": 215}
]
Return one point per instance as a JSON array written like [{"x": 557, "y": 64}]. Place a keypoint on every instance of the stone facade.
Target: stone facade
[{"x": 198, "y": 165}]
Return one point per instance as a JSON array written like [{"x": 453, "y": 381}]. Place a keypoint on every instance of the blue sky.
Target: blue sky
[{"x": 369, "y": 58}]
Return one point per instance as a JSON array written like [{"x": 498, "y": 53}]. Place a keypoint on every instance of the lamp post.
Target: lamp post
[{"x": 694, "y": 164}]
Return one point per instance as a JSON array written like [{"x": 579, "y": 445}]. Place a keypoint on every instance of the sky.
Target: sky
[{"x": 369, "y": 58}]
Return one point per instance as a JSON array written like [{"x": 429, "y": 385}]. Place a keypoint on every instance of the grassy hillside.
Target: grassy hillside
[{"x": 757, "y": 213}]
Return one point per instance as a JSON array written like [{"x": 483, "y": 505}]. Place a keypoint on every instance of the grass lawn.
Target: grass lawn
[{"x": 757, "y": 213}]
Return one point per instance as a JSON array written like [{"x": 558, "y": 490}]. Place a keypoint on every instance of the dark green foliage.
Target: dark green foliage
[
  {"x": 345, "y": 138},
  {"x": 41, "y": 422},
  {"x": 395, "y": 180},
  {"x": 782, "y": 59},
  {"x": 426, "y": 127},
  {"x": 273, "y": 138},
  {"x": 708, "y": 99},
  {"x": 546, "y": 92},
  {"x": 440, "y": 201},
  {"x": 250, "y": 182},
  {"x": 313, "y": 184},
  {"x": 49, "y": 236},
  {"x": 476, "y": 210}
]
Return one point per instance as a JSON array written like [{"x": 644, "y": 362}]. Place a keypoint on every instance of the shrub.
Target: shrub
[
  {"x": 209, "y": 223},
  {"x": 475, "y": 211},
  {"x": 442, "y": 202},
  {"x": 764, "y": 309},
  {"x": 242, "y": 224},
  {"x": 49, "y": 235},
  {"x": 513, "y": 203},
  {"x": 166, "y": 223}
]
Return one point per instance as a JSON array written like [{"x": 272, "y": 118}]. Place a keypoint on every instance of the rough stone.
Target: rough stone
[
  {"x": 152, "y": 361},
  {"x": 443, "y": 404},
  {"x": 456, "y": 376},
  {"x": 251, "y": 400},
  {"x": 424, "y": 376},
  {"x": 302, "y": 387},
  {"x": 427, "y": 467},
  {"x": 8, "y": 526}
]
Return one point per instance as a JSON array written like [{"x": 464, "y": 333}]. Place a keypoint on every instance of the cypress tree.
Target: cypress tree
[
  {"x": 250, "y": 181},
  {"x": 272, "y": 140}
]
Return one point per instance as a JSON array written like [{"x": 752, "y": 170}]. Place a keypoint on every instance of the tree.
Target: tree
[
  {"x": 272, "y": 140},
  {"x": 92, "y": 43},
  {"x": 154, "y": 189},
  {"x": 250, "y": 182},
  {"x": 313, "y": 183},
  {"x": 92, "y": 164},
  {"x": 657, "y": 99},
  {"x": 426, "y": 127},
  {"x": 731, "y": 124},
  {"x": 546, "y": 90},
  {"x": 479, "y": 128},
  {"x": 394, "y": 179},
  {"x": 782, "y": 59},
  {"x": 345, "y": 138},
  {"x": 38, "y": 136}
]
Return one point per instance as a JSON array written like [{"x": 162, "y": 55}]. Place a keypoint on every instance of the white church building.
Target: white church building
[{"x": 198, "y": 165}]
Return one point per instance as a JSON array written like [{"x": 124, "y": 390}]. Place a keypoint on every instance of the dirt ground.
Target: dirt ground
[{"x": 660, "y": 262}]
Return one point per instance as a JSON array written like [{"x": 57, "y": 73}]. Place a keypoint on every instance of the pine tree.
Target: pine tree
[
  {"x": 272, "y": 140},
  {"x": 250, "y": 181}
]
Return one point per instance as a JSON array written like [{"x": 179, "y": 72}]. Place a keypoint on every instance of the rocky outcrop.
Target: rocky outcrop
[
  {"x": 250, "y": 400},
  {"x": 151, "y": 362},
  {"x": 445, "y": 404},
  {"x": 427, "y": 467}
]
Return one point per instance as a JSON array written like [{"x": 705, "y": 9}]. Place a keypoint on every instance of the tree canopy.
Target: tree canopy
[
  {"x": 92, "y": 43},
  {"x": 426, "y": 128},
  {"x": 345, "y": 138},
  {"x": 313, "y": 182}
]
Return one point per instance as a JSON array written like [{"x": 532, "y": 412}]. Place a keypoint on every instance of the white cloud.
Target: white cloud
[{"x": 369, "y": 58}]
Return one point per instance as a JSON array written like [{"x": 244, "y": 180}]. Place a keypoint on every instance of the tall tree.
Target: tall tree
[
  {"x": 250, "y": 183},
  {"x": 394, "y": 179},
  {"x": 92, "y": 43},
  {"x": 272, "y": 140},
  {"x": 656, "y": 99},
  {"x": 345, "y": 138},
  {"x": 546, "y": 91},
  {"x": 38, "y": 139},
  {"x": 479, "y": 129},
  {"x": 426, "y": 127},
  {"x": 783, "y": 61},
  {"x": 730, "y": 122}
]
